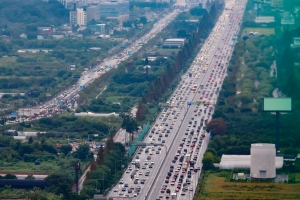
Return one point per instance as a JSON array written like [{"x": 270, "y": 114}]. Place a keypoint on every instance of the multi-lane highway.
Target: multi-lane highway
[
  {"x": 171, "y": 169},
  {"x": 68, "y": 97}
]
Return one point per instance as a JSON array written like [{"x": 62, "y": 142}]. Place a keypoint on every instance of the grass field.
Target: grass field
[
  {"x": 215, "y": 187},
  {"x": 161, "y": 50},
  {"x": 266, "y": 31},
  {"x": 114, "y": 98},
  {"x": 44, "y": 167}
]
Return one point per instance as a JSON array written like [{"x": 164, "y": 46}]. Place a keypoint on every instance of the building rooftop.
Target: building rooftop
[
  {"x": 262, "y": 146},
  {"x": 242, "y": 162},
  {"x": 265, "y": 19},
  {"x": 175, "y": 40}
]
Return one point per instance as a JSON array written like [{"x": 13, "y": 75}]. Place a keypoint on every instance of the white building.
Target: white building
[
  {"x": 93, "y": 13},
  {"x": 81, "y": 17},
  {"x": 263, "y": 161}
]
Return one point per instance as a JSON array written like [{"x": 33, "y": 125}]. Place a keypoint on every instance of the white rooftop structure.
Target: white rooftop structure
[
  {"x": 262, "y": 157},
  {"x": 263, "y": 160},
  {"x": 90, "y": 114},
  {"x": 265, "y": 19},
  {"x": 173, "y": 43}
]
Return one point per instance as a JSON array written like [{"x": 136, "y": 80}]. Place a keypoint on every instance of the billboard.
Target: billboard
[
  {"x": 277, "y": 104},
  {"x": 296, "y": 40},
  {"x": 287, "y": 21}
]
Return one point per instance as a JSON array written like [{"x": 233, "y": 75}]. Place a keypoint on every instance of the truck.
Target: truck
[
  {"x": 203, "y": 133},
  {"x": 184, "y": 165},
  {"x": 187, "y": 157},
  {"x": 174, "y": 196}
]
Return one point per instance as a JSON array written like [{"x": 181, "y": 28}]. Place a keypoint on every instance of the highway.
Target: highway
[
  {"x": 180, "y": 128},
  {"x": 68, "y": 97}
]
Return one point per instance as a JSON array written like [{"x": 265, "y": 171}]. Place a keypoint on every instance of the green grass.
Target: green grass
[
  {"x": 160, "y": 50},
  {"x": 115, "y": 98},
  {"x": 266, "y": 31},
  {"x": 49, "y": 166},
  {"x": 296, "y": 176},
  {"x": 216, "y": 187}
]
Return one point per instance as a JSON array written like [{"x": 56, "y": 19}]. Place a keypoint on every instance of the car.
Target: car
[{"x": 116, "y": 190}]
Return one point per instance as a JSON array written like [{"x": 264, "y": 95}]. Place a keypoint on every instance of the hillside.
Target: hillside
[{"x": 16, "y": 14}]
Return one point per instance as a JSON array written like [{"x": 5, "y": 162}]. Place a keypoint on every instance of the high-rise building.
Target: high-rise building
[
  {"x": 81, "y": 16},
  {"x": 93, "y": 13},
  {"x": 73, "y": 17},
  {"x": 114, "y": 10},
  {"x": 277, "y": 3}
]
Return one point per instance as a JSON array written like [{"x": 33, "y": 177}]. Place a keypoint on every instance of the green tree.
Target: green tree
[
  {"x": 30, "y": 140},
  {"x": 129, "y": 124},
  {"x": 143, "y": 20},
  {"x": 100, "y": 155},
  {"x": 30, "y": 177},
  {"x": 10, "y": 176},
  {"x": 83, "y": 152},
  {"x": 207, "y": 161},
  {"x": 141, "y": 110},
  {"x": 25, "y": 149},
  {"x": 65, "y": 148}
]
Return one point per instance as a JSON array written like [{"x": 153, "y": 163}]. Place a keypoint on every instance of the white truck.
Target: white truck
[
  {"x": 174, "y": 196},
  {"x": 184, "y": 165}
]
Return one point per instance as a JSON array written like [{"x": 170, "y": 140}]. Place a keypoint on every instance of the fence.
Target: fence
[{"x": 140, "y": 137}]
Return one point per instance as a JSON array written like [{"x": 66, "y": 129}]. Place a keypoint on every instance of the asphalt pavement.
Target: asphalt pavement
[{"x": 205, "y": 77}]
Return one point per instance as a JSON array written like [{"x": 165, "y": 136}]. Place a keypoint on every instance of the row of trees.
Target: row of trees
[
  {"x": 160, "y": 85},
  {"x": 107, "y": 169}
]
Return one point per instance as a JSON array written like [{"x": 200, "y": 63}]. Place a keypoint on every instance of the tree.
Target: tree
[
  {"x": 143, "y": 20},
  {"x": 110, "y": 142},
  {"x": 65, "y": 148},
  {"x": 93, "y": 166},
  {"x": 58, "y": 183},
  {"x": 207, "y": 161},
  {"x": 30, "y": 177},
  {"x": 100, "y": 155},
  {"x": 30, "y": 140},
  {"x": 141, "y": 110},
  {"x": 10, "y": 176},
  {"x": 181, "y": 34},
  {"x": 217, "y": 126},
  {"x": 129, "y": 124},
  {"x": 83, "y": 152},
  {"x": 25, "y": 149}
]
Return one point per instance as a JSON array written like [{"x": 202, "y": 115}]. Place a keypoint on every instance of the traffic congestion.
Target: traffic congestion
[
  {"x": 169, "y": 165},
  {"x": 68, "y": 97}
]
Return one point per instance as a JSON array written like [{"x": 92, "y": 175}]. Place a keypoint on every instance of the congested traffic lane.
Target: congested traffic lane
[
  {"x": 166, "y": 126},
  {"x": 160, "y": 186}
]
